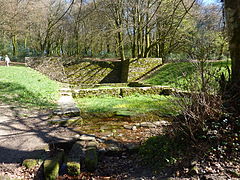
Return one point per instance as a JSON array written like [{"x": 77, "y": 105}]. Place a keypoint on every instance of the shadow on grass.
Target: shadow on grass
[{"x": 13, "y": 93}]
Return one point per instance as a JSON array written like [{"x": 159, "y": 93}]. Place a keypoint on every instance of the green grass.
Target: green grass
[
  {"x": 173, "y": 74},
  {"x": 26, "y": 87},
  {"x": 131, "y": 105}
]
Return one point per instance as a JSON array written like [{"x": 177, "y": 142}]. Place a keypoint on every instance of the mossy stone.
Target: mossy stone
[
  {"x": 51, "y": 166},
  {"x": 51, "y": 169},
  {"x": 30, "y": 163},
  {"x": 73, "y": 168}
]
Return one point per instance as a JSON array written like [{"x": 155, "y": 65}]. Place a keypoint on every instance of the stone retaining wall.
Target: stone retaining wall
[
  {"x": 50, "y": 66},
  {"x": 90, "y": 71},
  {"x": 140, "y": 67}
]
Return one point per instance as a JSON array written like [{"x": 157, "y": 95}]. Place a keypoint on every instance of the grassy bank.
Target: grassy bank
[
  {"x": 26, "y": 87},
  {"x": 175, "y": 74}
]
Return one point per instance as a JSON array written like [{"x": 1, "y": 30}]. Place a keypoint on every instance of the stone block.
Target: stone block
[
  {"x": 76, "y": 152},
  {"x": 91, "y": 159},
  {"x": 87, "y": 138},
  {"x": 52, "y": 165}
]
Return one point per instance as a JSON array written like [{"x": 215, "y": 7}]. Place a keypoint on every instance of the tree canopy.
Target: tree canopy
[{"x": 170, "y": 29}]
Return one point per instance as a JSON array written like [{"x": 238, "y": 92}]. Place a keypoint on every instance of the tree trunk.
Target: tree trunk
[
  {"x": 108, "y": 48},
  {"x": 134, "y": 43},
  {"x": 147, "y": 34},
  {"x": 14, "y": 45},
  {"x": 232, "y": 12}
]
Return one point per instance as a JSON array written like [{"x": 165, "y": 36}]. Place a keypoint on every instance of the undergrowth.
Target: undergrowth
[
  {"x": 204, "y": 124},
  {"x": 162, "y": 151}
]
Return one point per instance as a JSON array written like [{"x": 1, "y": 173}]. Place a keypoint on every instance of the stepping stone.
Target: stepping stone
[
  {"x": 65, "y": 90},
  {"x": 86, "y": 138},
  {"x": 147, "y": 125},
  {"x": 129, "y": 127},
  {"x": 92, "y": 144},
  {"x": 162, "y": 123},
  {"x": 66, "y": 104},
  {"x": 71, "y": 111},
  {"x": 63, "y": 120}
]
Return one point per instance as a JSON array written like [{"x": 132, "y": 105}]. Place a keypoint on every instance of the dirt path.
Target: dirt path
[
  {"x": 26, "y": 134},
  {"x": 2, "y": 63}
]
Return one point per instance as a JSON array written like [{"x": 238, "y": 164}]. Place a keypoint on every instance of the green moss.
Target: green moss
[
  {"x": 51, "y": 169},
  {"x": 73, "y": 168},
  {"x": 143, "y": 91},
  {"x": 51, "y": 166},
  {"x": 91, "y": 159},
  {"x": 30, "y": 163}
]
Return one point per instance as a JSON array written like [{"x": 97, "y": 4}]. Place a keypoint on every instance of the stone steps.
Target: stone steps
[{"x": 66, "y": 104}]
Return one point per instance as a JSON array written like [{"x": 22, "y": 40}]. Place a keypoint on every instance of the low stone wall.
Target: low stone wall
[
  {"x": 90, "y": 71},
  {"x": 121, "y": 91},
  {"x": 96, "y": 92},
  {"x": 94, "y": 86}
]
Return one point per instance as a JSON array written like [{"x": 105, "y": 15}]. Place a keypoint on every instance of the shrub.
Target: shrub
[{"x": 202, "y": 103}]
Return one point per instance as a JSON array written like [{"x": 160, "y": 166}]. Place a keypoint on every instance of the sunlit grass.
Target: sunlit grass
[
  {"x": 176, "y": 74},
  {"x": 131, "y": 105},
  {"x": 27, "y": 87}
]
